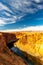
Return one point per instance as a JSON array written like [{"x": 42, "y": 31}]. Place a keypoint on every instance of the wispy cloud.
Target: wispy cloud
[
  {"x": 31, "y": 28},
  {"x": 23, "y": 6},
  {"x": 3, "y": 7},
  {"x": 17, "y": 10},
  {"x": 37, "y": 1},
  {"x": 2, "y": 22}
]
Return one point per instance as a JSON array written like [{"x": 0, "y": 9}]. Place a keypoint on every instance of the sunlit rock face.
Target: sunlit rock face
[
  {"x": 27, "y": 43},
  {"x": 31, "y": 43}
]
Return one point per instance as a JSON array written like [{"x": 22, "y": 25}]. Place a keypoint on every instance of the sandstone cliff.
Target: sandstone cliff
[
  {"x": 32, "y": 44},
  {"x": 22, "y": 41}
]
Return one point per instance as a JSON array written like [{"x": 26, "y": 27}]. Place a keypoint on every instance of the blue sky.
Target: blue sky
[{"x": 21, "y": 14}]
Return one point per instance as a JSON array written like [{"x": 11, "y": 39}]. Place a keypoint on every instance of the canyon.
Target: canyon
[
  {"x": 29, "y": 43},
  {"x": 7, "y": 57}
]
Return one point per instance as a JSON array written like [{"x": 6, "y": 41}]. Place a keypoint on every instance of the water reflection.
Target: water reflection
[{"x": 19, "y": 52}]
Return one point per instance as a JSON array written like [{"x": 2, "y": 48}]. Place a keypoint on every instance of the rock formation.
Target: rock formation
[
  {"x": 32, "y": 44},
  {"x": 7, "y": 57}
]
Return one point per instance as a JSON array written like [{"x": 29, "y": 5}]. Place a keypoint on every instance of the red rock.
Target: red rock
[{"x": 6, "y": 56}]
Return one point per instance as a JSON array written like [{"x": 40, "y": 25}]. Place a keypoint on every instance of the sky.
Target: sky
[{"x": 21, "y": 15}]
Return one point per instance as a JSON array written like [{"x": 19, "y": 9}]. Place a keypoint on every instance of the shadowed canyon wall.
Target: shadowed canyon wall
[{"x": 6, "y": 56}]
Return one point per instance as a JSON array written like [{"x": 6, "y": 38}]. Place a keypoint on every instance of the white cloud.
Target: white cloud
[
  {"x": 25, "y": 6},
  {"x": 11, "y": 18},
  {"x": 37, "y": 1},
  {"x": 4, "y": 7},
  {"x": 31, "y": 28},
  {"x": 2, "y": 23},
  {"x": 21, "y": 7},
  {"x": 7, "y": 14}
]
